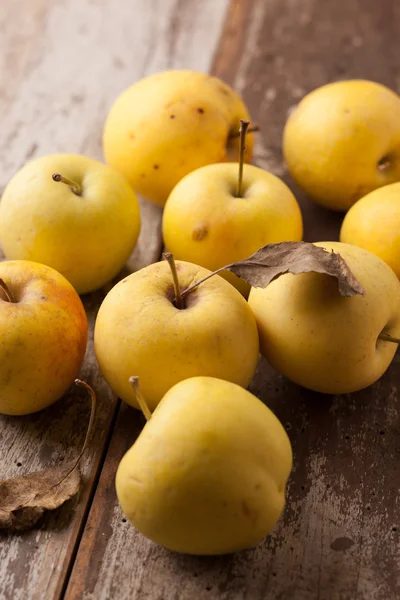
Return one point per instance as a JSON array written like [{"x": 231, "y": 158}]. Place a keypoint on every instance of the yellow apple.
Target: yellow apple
[
  {"x": 169, "y": 124},
  {"x": 207, "y": 475},
  {"x": 85, "y": 225},
  {"x": 324, "y": 341},
  {"x": 343, "y": 141},
  {"x": 43, "y": 334},
  {"x": 373, "y": 223},
  {"x": 139, "y": 330},
  {"x": 205, "y": 222}
]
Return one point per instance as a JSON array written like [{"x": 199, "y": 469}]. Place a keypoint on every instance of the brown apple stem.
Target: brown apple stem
[
  {"x": 178, "y": 296},
  {"x": 197, "y": 283},
  {"x": 75, "y": 187},
  {"x": 7, "y": 291},
  {"x": 242, "y": 132},
  {"x": 385, "y": 337},
  {"x": 134, "y": 381},
  {"x": 236, "y": 134},
  {"x": 92, "y": 397}
]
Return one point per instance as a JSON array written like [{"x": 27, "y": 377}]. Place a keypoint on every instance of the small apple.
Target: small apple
[
  {"x": 214, "y": 218},
  {"x": 167, "y": 125},
  {"x": 373, "y": 223},
  {"x": 147, "y": 326},
  {"x": 343, "y": 141},
  {"x": 322, "y": 340},
  {"x": 71, "y": 213},
  {"x": 43, "y": 334},
  {"x": 207, "y": 474}
]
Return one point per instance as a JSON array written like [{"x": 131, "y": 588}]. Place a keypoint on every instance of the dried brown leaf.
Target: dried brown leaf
[
  {"x": 274, "y": 260},
  {"x": 24, "y": 499}
]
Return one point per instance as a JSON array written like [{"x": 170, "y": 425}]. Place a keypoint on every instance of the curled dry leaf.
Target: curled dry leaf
[
  {"x": 23, "y": 500},
  {"x": 274, "y": 260}
]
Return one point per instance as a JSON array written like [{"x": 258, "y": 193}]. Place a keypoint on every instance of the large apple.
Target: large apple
[
  {"x": 169, "y": 124},
  {"x": 208, "y": 223},
  {"x": 43, "y": 334},
  {"x": 343, "y": 141},
  {"x": 322, "y": 340},
  {"x": 207, "y": 475},
  {"x": 71, "y": 213},
  {"x": 140, "y": 330}
]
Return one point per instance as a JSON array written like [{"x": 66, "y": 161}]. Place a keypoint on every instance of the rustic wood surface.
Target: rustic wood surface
[
  {"x": 339, "y": 537},
  {"x": 62, "y": 66}
]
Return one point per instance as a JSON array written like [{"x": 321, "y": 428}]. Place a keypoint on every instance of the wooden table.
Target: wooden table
[{"x": 62, "y": 65}]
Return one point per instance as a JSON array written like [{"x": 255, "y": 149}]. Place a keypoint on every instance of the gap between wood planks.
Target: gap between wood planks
[{"x": 70, "y": 566}]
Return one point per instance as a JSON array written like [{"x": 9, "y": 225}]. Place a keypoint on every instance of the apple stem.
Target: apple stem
[
  {"x": 197, "y": 283},
  {"x": 7, "y": 291},
  {"x": 385, "y": 337},
  {"x": 178, "y": 296},
  {"x": 236, "y": 134},
  {"x": 92, "y": 397},
  {"x": 134, "y": 381},
  {"x": 93, "y": 403},
  {"x": 75, "y": 187},
  {"x": 242, "y": 132}
]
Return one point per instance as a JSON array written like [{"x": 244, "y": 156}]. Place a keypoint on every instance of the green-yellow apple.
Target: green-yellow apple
[
  {"x": 343, "y": 141},
  {"x": 71, "y": 213},
  {"x": 140, "y": 329},
  {"x": 209, "y": 222},
  {"x": 43, "y": 334},
  {"x": 207, "y": 475},
  {"x": 322, "y": 340},
  {"x": 169, "y": 124}
]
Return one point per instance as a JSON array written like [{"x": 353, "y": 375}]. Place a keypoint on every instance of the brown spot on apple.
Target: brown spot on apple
[
  {"x": 200, "y": 232},
  {"x": 223, "y": 89},
  {"x": 248, "y": 512},
  {"x": 245, "y": 509}
]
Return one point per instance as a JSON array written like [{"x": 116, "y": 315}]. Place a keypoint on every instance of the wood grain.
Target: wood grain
[
  {"x": 339, "y": 536},
  {"x": 62, "y": 64}
]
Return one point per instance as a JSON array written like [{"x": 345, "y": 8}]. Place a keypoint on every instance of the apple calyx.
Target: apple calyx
[
  {"x": 236, "y": 134},
  {"x": 384, "y": 163},
  {"x": 75, "y": 187},
  {"x": 178, "y": 300},
  {"x": 7, "y": 292},
  {"x": 242, "y": 132},
  {"x": 134, "y": 381},
  {"x": 385, "y": 337}
]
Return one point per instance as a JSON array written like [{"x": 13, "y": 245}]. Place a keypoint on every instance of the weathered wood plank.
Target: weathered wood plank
[
  {"x": 338, "y": 538},
  {"x": 62, "y": 65}
]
